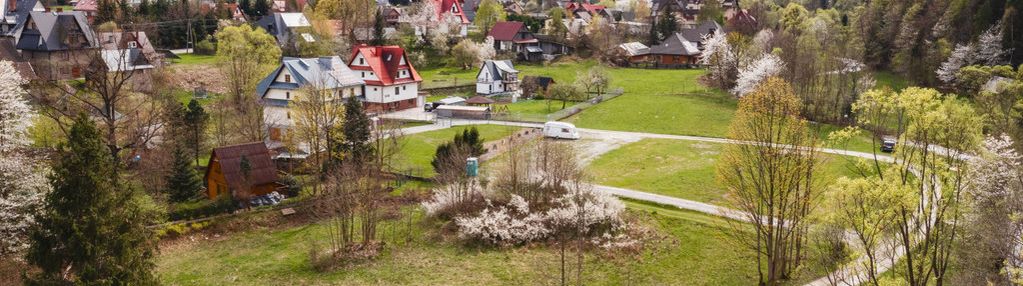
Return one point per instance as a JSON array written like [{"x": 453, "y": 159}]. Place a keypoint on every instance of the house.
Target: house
[
  {"x": 58, "y": 44},
  {"x": 392, "y": 83},
  {"x": 131, "y": 40},
  {"x": 514, "y": 37},
  {"x": 451, "y": 10},
  {"x": 241, "y": 171},
  {"x": 287, "y": 28},
  {"x": 11, "y": 11},
  {"x": 392, "y": 15},
  {"x": 282, "y": 6},
  {"x": 700, "y": 32},
  {"x": 542, "y": 83},
  {"x": 635, "y": 52},
  {"x": 89, "y": 7},
  {"x": 675, "y": 51},
  {"x": 279, "y": 89},
  {"x": 497, "y": 77},
  {"x": 551, "y": 46},
  {"x": 586, "y": 12},
  {"x": 469, "y": 9}
]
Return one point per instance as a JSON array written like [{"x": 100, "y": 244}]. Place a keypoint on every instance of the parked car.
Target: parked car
[
  {"x": 560, "y": 130},
  {"x": 888, "y": 144}
]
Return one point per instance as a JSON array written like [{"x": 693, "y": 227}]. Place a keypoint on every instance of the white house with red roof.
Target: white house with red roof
[
  {"x": 392, "y": 83},
  {"x": 451, "y": 10}
]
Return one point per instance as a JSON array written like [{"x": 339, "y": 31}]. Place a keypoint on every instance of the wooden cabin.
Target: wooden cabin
[{"x": 225, "y": 175}]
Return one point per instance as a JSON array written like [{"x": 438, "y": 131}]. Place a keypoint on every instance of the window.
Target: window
[
  {"x": 374, "y": 89},
  {"x": 363, "y": 74},
  {"x": 404, "y": 87},
  {"x": 396, "y": 90},
  {"x": 287, "y": 78},
  {"x": 564, "y": 130},
  {"x": 454, "y": 8},
  {"x": 361, "y": 61},
  {"x": 133, "y": 44},
  {"x": 289, "y": 114},
  {"x": 287, "y": 95}
]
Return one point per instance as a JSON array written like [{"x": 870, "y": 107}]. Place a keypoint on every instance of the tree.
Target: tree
[
  {"x": 710, "y": 11},
  {"x": 564, "y": 93},
  {"x": 378, "y": 30},
  {"x": 92, "y": 229},
  {"x": 931, "y": 170},
  {"x": 667, "y": 25},
  {"x": 465, "y": 54},
  {"x": 22, "y": 184},
  {"x": 318, "y": 115},
  {"x": 489, "y": 13},
  {"x": 556, "y": 24},
  {"x": 106, "y": 11},
  {"x": 772, "y": 180},
  {"x": 196, "y": 119},
  {"x": 245, "y": 55},
  {"x": 261, "y": 8},
  {"x": 961, "y": 56},
  {"x": 356, "y": 147},
  {"x": 596, "y": 80},
  {"x": 989, "y": 46},
  {"x": 766, "y": 66},
  {"x": 182, "y": 182},
  {"x": 721, "y": 60}
]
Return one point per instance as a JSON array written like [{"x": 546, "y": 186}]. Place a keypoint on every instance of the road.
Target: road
[{"x": 602, "y": 141}]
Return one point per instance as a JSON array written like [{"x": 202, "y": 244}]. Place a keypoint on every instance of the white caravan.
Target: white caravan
[{"x": 560, "y": 130}]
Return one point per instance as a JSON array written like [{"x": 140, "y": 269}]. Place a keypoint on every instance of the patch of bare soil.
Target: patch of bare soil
[{"x": 193, "y": 76}]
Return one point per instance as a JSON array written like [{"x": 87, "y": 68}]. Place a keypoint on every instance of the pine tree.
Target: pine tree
[
  {"x": 667, "y": 25},
  {"x": 246, "y": 7},
  {"x": 261, "y": 8},
  {"x": 145, "y": 9},
  {"x": 182, "y": 182},
  {"x": 92, "y": 230},
  {"x": 654, "y": 36},
  {"x": 106, "y": 11},
  {"x": 196, "y": 118},
  {"x": 378, "y": 29},
  {"x": 356, "y": 129}
]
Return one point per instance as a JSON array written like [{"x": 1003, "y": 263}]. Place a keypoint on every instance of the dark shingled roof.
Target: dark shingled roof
[
  {"x": 541, "y": 81},
  {"x": 52, "y": 29},
  {"x": 262, "y": 168}
]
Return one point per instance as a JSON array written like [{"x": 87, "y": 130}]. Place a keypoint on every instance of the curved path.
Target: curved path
[{"x": 850, "y": 274}]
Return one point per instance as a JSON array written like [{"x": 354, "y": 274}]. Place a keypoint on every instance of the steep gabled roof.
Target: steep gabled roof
[
  {"x": 261, "y": 168},
  {"x": 444, "y": 8},
  {"x": 385, "y": 61},
  {"x": 505, "y": 31},
  {"x": 697, "y": 34},
  {"x": 11, "y": 11},
  {"x": 497, "y": 68},
  {"x": 326, "y": 72},
  {"x": 86, "y": 5},
  {"x": 541, "y": 81},
  {"x": 52, "y": 26}
]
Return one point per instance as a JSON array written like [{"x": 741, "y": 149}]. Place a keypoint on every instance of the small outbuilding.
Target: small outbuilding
[
  {"x": 243, "y": 170},
  {"x": 479, "y": 101},
  {"x": 467, "y": 112}
]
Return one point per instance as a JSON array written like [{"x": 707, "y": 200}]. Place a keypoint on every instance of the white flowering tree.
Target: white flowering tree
[
  {"x": 21, "y": 184},
  {"x": 996, "y": 188},
  {"x": 961, "y": 56},
  {"x": 485, "y": 50},
  {"x": 989, "y": 46},
  {"x": 750, "y": 76},
  {"x": 720, "y": 59}
]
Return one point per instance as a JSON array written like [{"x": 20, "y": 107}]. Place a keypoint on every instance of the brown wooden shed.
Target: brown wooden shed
[{"x": 225, "y": 175}]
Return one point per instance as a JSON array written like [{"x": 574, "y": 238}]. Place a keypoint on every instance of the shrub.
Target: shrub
[
  {"x": 455, "y": 199},
  {"x": 202, "y": 208},
  {"x": 503, "y": 225},
  {"x": 205, "y": 47},
  {"x": 292, "y": 187},
  {"x": 178, "y": 229}
]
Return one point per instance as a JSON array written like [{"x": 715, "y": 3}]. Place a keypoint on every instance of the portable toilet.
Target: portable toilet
[{"x": 472, "y": 167}]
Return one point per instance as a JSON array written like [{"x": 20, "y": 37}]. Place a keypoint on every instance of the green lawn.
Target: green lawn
[
  {"x": 446, "y": 76},
  {"x": 417, "y": 149},
  {"x": 696, "y": 251},
  {"x": 890, "y": 79},
  {"x": 679, "y": 169},
  {"x": 194, "y": 59}
]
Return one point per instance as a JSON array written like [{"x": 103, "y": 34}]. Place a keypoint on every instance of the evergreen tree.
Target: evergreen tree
[
  {"x": 182, "y": 182},
  {"x": 92, "y": 230},
  {"x": 145, "y": 9},
  {"x": 356, "y": 131},
  {"x": 261, "y": 8},
  {"x": 378, "y": 29},
  {"x": 106, "y": 11},
  {"x": 654, "y": 36},
  {"x": 195, "y": 119},
  {"x": 667, "y": 25},
  {"x": 246, "y": 7}
]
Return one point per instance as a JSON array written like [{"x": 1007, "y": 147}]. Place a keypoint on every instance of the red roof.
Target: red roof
[
  {"x": 444, "y": 6},
  {"x": 85, "y": 5},
  {"x": 505, "y": 31},
  {"x": 385, "y": 62},
  {"x": 592, "y": 9}
]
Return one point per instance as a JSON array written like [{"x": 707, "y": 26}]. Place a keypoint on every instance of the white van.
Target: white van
[{"x": 560, "y": 130}]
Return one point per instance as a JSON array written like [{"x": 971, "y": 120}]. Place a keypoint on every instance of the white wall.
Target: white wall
[{"x": 386, "y": 94}]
